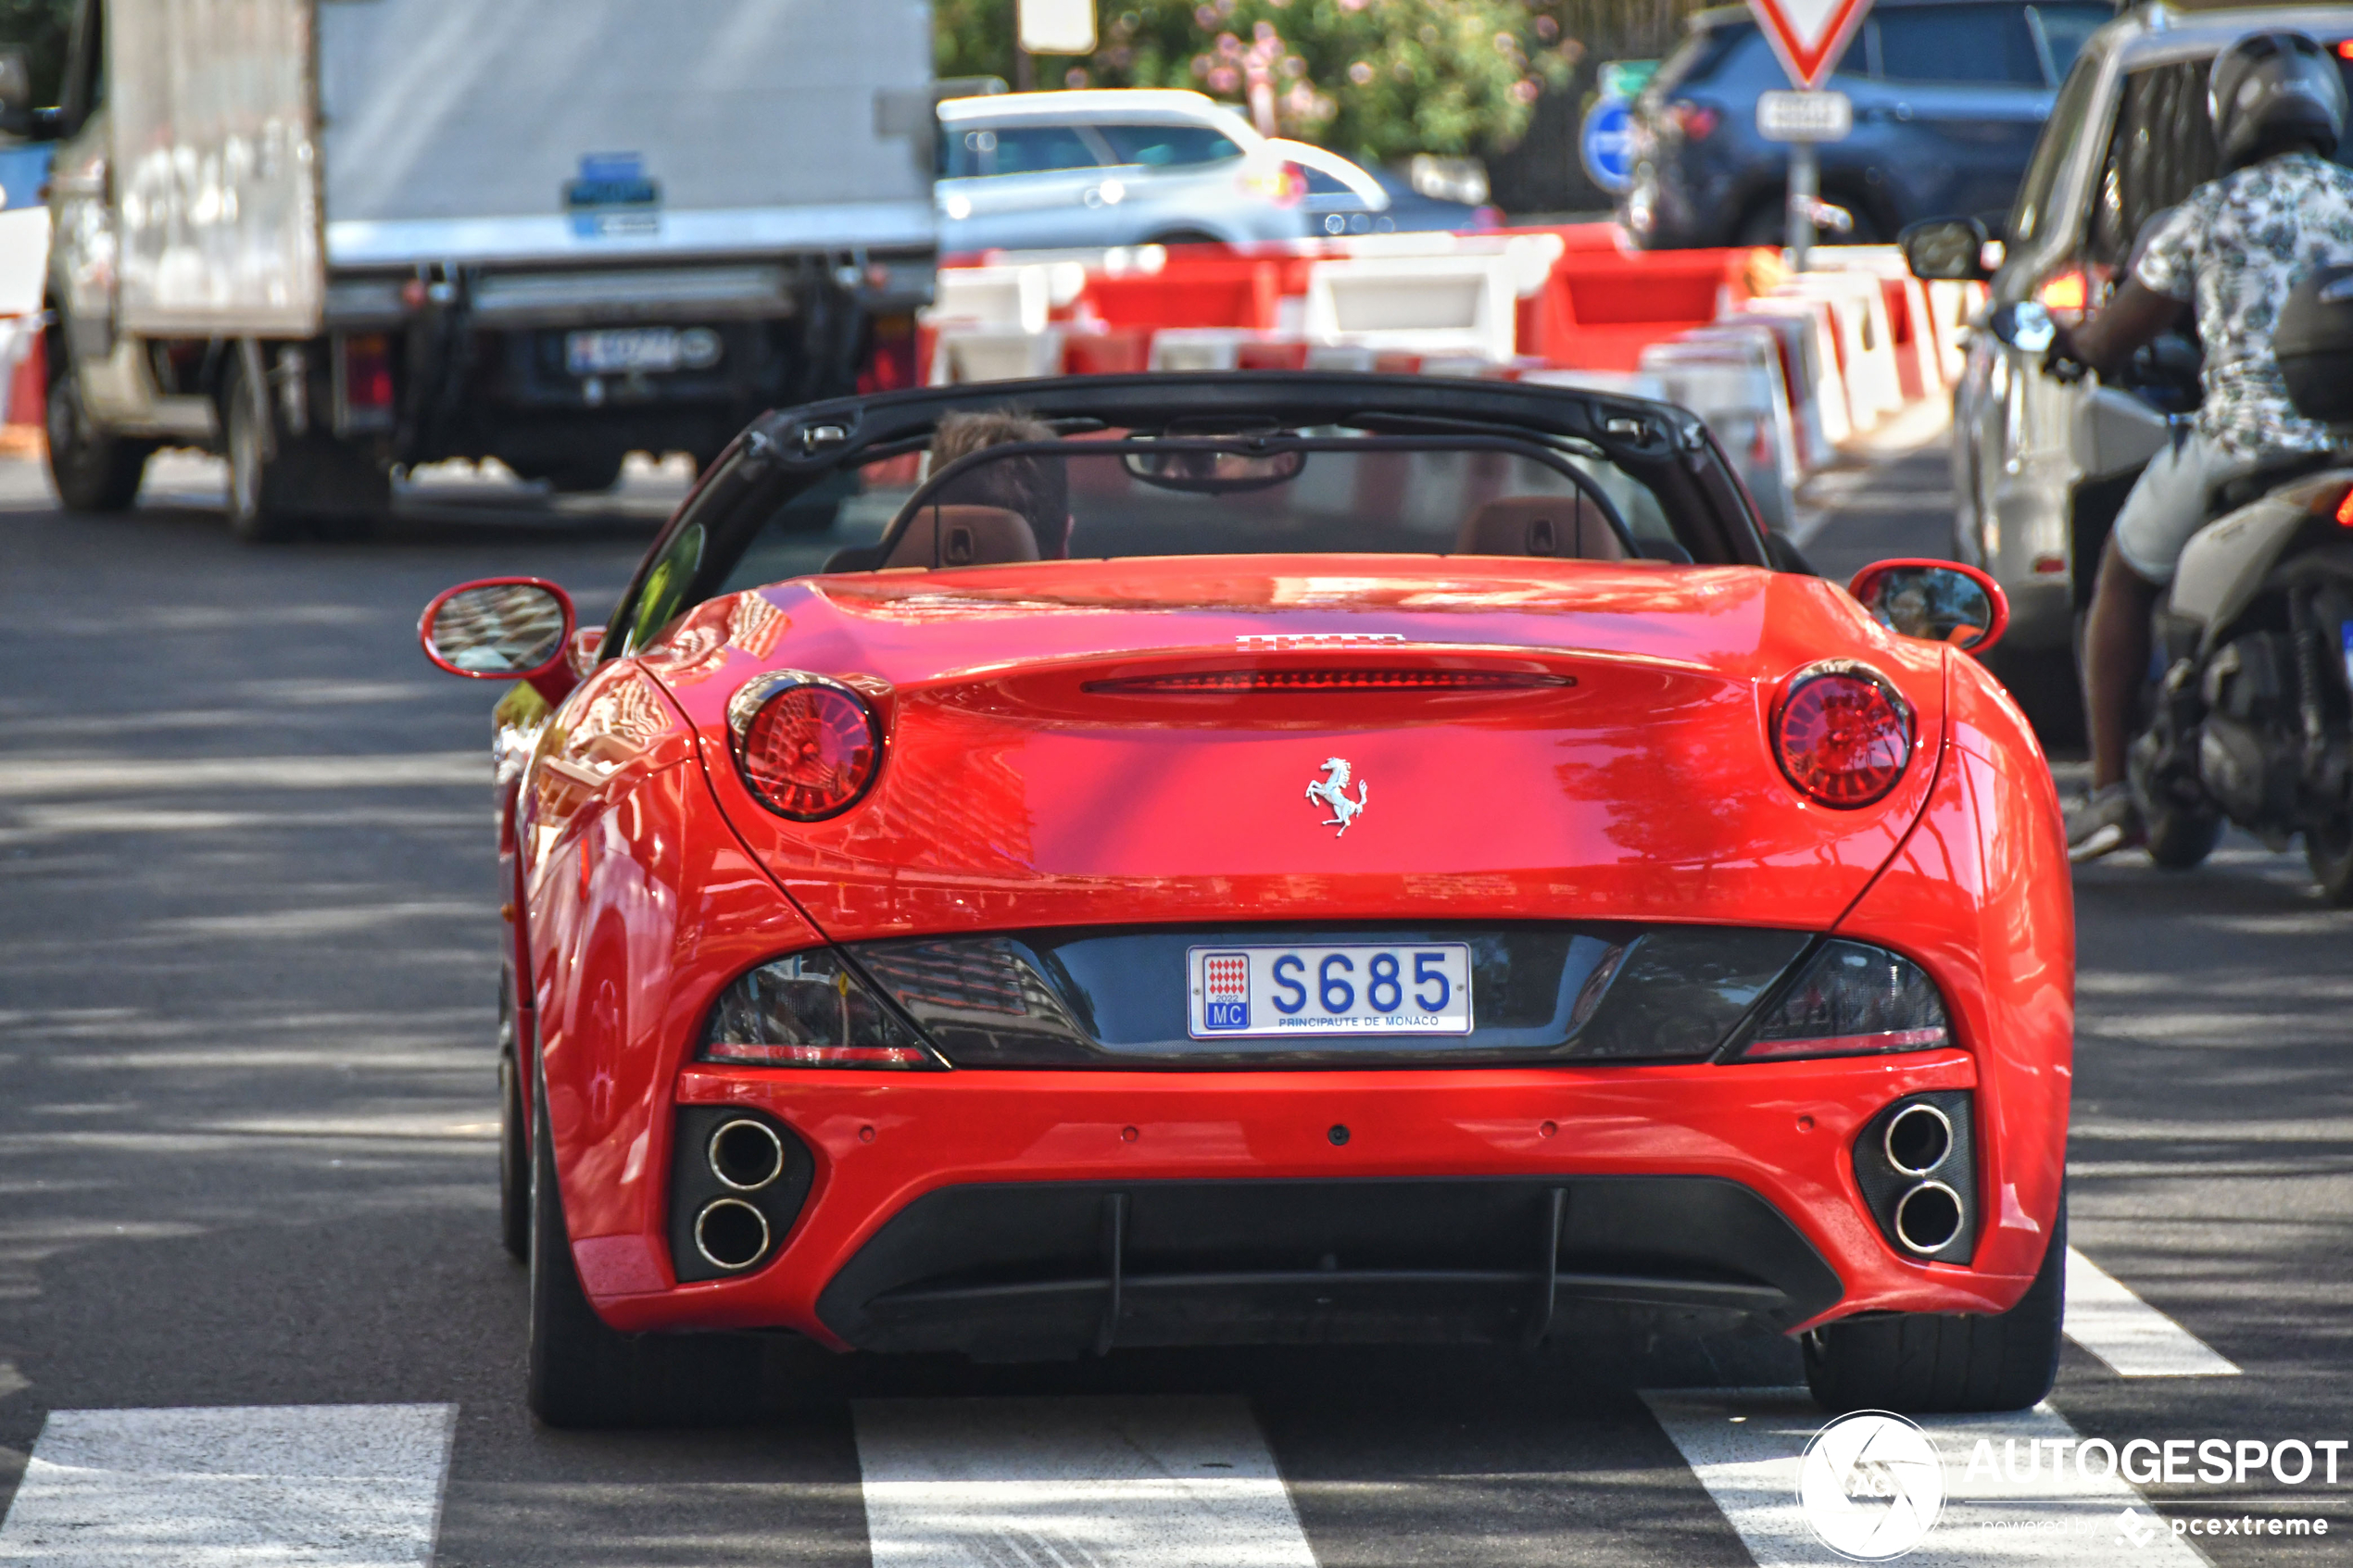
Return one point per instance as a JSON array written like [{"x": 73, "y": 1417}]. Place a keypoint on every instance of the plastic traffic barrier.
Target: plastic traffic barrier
[
  {"x": 1599, "y": 309},
  {"x": 1819, "y": 390},
  {"x": 971, "y": 354},
  {"x": 1734, "y": 384},
  {"x": 1453, "y": 305},
  {"x": 1865, "y": 340},
  {"x": 1021, "y": 298},
  {"x": 1919, "y": 367}
]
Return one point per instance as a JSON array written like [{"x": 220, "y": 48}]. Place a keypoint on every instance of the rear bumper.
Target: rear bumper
[{"x": 969, "y": 1210}]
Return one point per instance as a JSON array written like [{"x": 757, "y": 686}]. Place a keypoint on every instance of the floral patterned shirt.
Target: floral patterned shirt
[{"x": 2235, "y": 247}]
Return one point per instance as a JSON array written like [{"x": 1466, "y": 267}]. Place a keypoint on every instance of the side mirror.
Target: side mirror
[
  {"x": 1939, "y": 601},
  {"x": 503, "y": 629},
  {"x": 2022, "y": 325},
  {"x": 1947, "y": 250}
]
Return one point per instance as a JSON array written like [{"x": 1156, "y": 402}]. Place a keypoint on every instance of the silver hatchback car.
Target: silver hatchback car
[
  {"x": 2040, "y": 467},
  {"x": 1091, "y": 169}
]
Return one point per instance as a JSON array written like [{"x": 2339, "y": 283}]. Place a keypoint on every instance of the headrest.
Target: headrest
[
  {"x": 965, "y": 535},
  {"x": 1567, "y": 527}
]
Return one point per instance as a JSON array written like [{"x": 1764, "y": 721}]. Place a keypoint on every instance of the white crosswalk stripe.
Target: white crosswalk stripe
[
  {"x": 2133, "y": 1338},
  {"x": 330, "y": 1486},
  {"x": 1105, "y": 1483},
  {"x": 1745, "y": 1446}
]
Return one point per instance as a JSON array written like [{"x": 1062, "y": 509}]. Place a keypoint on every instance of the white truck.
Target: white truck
[{"x": 333, "y": 238}]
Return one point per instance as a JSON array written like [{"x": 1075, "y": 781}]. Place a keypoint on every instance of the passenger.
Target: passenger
[
  {"x": 2234, "y": 249},
  {"x": 1033, "y": 484}
]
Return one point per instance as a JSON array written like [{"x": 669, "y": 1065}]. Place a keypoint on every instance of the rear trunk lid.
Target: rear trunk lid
[{"x": 1139, "y": 741}]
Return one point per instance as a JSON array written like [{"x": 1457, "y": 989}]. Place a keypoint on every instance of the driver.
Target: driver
[{"x": 2233, "y": 250}]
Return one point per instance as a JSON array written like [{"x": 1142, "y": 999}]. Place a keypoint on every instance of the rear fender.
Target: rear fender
[{"x": 1979, "y": 895}]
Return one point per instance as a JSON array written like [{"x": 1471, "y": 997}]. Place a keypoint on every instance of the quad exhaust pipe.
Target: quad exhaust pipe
[
  {"x": 1918, "y": 1138},
  {"x": 1927, "y": 1218},
  {"x": 746, "y": 1155}
]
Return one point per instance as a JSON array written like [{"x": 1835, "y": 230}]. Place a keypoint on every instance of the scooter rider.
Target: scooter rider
[{"x": 2233, "y": 250}]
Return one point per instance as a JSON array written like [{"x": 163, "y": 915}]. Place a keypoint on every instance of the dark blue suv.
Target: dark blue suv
[{"x": 1949, "y": 96}]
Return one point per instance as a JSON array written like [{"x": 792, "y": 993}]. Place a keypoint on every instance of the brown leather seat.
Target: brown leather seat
[
  {"x": 965, "y": 535},
  {"x": 1566, "y": 527}
]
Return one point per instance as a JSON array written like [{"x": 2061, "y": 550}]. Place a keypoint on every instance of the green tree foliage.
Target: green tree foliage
[
  {"x": 1381, "y": 79},
  {"x": 40, "y": 28}
]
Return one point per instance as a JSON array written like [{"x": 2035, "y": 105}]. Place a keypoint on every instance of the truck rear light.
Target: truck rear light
[
  {"x": 807, "y": 1009},
  {"x": 891, "y": 364},
  {"x": 1843, "y": 734},
  {"x": 1285, "y": 184},
  {"x": 2066, "y": 291},
  {"x": 807, "y": 746},
  {"x": 1853, "y": 999},
  {"x": 366, "y": 373}
]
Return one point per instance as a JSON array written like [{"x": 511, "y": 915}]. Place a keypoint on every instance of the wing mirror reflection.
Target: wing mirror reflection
[
  {"x": 1953, "y": 250},
  {"x": 502, "y": 628},
  {"x": 1938, "y": 601}
]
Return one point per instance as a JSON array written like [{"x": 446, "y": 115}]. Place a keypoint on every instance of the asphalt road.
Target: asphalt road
[{"x": 247, "y": 1114}]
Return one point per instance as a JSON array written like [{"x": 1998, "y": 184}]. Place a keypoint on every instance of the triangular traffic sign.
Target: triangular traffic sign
[{"x": 1808, "y": 35}]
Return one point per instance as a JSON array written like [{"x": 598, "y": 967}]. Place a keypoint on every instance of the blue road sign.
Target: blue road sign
[{"x": 1605, "y": 144}]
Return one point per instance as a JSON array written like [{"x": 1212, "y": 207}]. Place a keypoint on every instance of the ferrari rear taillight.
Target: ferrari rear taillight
[
  {"x": 1215, "y": 681},
  {"x": 808, "y": 1009},
  {"x": 807, "y": 746},
  {"x": 1853, "y": 999},
  {"x": 1844, "y": 734}
]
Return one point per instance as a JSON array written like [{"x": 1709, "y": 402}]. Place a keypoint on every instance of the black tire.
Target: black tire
[
  {"x": 2330, "y": 854},
  {"x": 1924, "y": 1363},
  {"x": 93, "y": 471},
  {"x": 308, "y": 483},
  {"x": 579, "y": 1372},
  {"x": 514, "y": 1148},
  {"x": 1185, "y": 237},
  {"x": 2180, "y": 839}
]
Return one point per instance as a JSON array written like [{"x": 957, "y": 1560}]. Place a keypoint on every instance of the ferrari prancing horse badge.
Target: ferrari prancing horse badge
[{"x": 1333, "y": 793}]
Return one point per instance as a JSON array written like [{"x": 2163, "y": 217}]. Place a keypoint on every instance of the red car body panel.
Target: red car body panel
[{"x": 1010, "y": 798}]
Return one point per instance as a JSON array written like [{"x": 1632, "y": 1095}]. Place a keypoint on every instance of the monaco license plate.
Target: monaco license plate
[
  {"x": 613, "y": 350},
  {"x": 1348, "y": 988}
]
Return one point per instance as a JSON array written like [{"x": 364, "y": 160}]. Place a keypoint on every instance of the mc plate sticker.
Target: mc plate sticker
[{"x": 1348, "y": 988}]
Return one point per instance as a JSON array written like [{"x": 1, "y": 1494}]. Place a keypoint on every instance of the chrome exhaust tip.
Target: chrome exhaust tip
[
  {"x": 731, "y": 1234},
  {"x": 1918, "y": 1138},
  {"x": 1927, "y": 1218},
  {"x": 746, "y": 1155}
]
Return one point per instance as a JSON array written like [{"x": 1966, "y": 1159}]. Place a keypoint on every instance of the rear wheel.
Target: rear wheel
[
  {"x": 581, "y": 1373},
  {"x": 2180, "y": 839},
  {"x": 93, "y": 471},
  {"x": 2329, "y": 851},
  {"x": 280, "y": 483},
  {"x": 514, "y": 1147},
  {"x": 1933, "y": 1362}
]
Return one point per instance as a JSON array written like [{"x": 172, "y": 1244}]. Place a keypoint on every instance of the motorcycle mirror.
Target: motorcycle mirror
[
  {"x": 1947, "y": 250},
  {"x": 1938, "y": 601},
  {"x": 2023, "y": 325},
  {"x": 502, "y": 628}
]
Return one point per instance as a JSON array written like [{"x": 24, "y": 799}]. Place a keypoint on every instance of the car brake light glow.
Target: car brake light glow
[
  {"x": 807, "y": 746},
  {"x": 1219, "y": 681},
  {"x": 1696, "y": 121},
  {"x": 2345, "y": 511},
  {"x": 1285, "y": 184},
  {"x": 1853, "y": 999},
  {"x": 1843, "y": 734},
  {"x": 808, "y": 1009},
  {"x": 2345, "y": 50}
]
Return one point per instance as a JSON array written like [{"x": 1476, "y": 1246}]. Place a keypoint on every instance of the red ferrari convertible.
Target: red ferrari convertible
[{"x": 1270, "y": 859}]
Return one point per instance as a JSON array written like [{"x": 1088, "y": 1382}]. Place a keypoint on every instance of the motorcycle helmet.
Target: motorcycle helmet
[
  {"x": 2272, "y": 91},
  {"x": 2313, "y": 341}
]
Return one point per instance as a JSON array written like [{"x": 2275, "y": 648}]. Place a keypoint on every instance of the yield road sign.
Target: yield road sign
[{"x": 1808, "y": 35}]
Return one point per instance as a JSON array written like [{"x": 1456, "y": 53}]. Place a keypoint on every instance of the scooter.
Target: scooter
[{"x": 2248, "y": 716}]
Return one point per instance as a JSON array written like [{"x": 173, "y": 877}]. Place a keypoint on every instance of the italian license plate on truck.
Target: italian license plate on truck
[{"x": 1351, "y": 988}]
